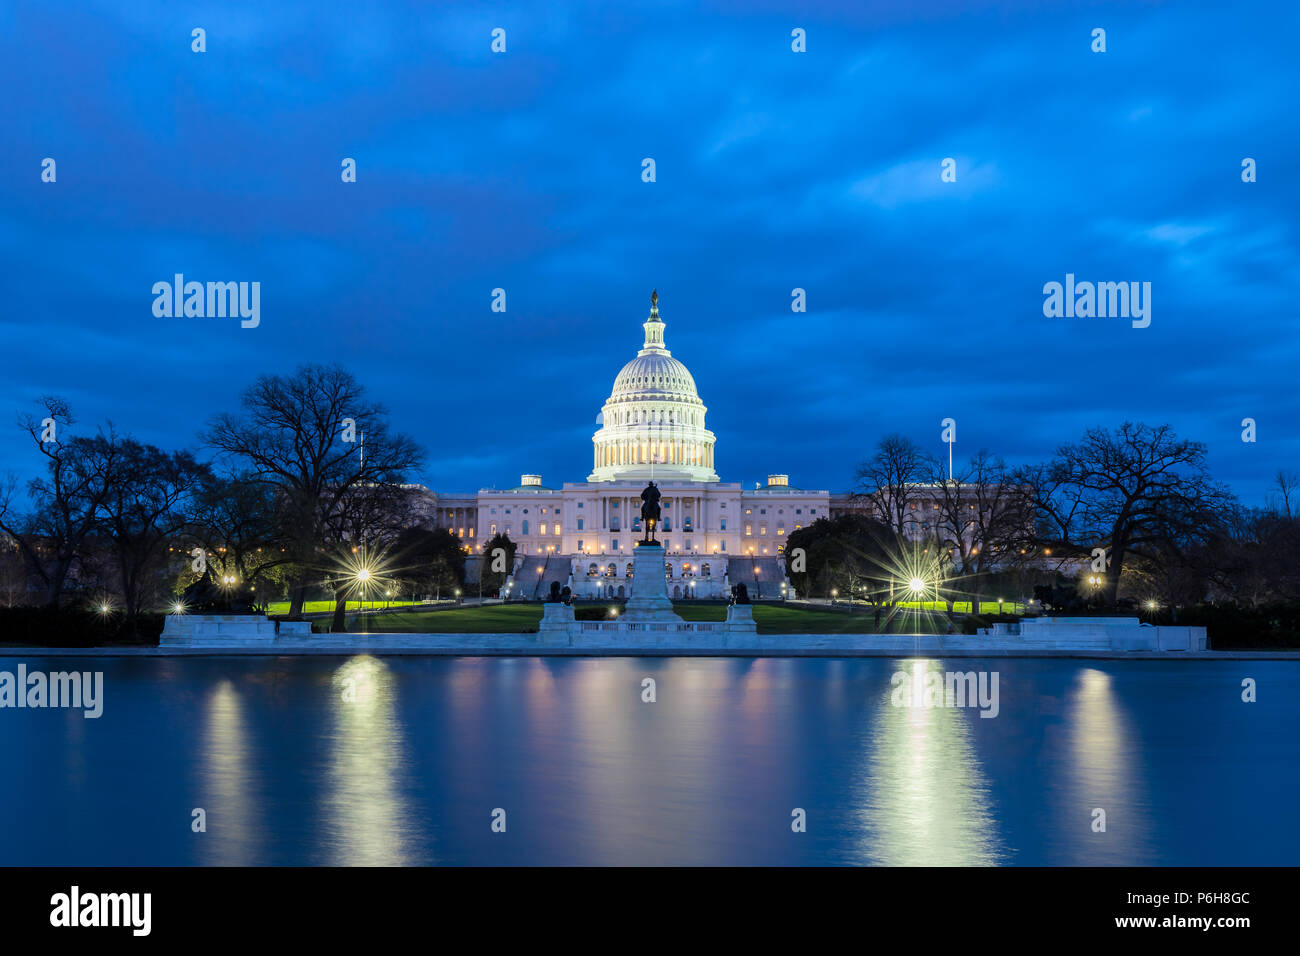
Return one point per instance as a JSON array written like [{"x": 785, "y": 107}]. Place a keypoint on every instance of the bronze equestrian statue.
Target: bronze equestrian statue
[{"x": 650, "y": 512}]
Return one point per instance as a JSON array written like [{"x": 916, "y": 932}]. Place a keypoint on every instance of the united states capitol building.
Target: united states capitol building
[{"x": 652, "y": 427}]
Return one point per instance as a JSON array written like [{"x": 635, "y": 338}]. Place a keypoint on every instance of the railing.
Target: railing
[{"x": 634, "y": 626}]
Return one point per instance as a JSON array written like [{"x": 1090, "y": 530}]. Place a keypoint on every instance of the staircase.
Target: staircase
[
  {"x": 763, "y": 585},
  {"x": 554, "y": 567}
]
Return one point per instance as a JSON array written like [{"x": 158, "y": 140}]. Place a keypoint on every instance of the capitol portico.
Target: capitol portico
[{"x": 652, "y": 427}]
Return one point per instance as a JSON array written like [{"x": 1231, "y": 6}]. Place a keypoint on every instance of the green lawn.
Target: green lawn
[
  {"x": 686, "y": 609},
  {"x": 489, "y": 619},
  {"x": 963, "y": 607},
  {"x": 787, "y": 619},
  {"x": 279, "y": 608},
  {"x": 770, "y": 618}
]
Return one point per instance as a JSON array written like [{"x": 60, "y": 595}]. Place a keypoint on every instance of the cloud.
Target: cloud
[{"x": 776, "y": 170}]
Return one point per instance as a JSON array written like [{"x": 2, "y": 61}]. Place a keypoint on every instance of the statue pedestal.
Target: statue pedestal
[
  {"x": 649, "y": 602},
  {"x": 740, "y": 619},
  {"x": 557, "y": 624}
]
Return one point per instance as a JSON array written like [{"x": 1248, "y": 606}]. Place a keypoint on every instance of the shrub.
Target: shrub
[{"x": 75, "y": 627}]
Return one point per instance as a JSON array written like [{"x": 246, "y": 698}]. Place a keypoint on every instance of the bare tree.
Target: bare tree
[
  {"x": 1288, "y": 485},
  {"x": 981, "y": 518},
  {"x": 66, "y": 502},
  {"x": 890, "y": 480},
  {"x": 361, "y": 530},
  {"x": 13, "y": 573},
  {"x": 1131, "y": 491},
  {"x": 293, "y": 433},
  {"x": 1255, "y": 559},
  {"x": 237, "y": 524},
  {"x": 147, "y": 503}
]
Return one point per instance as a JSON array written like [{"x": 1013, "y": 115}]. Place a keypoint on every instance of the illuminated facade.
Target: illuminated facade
[{"x": 651, "y": 427}]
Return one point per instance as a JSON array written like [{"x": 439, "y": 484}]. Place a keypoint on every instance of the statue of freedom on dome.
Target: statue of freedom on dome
[{"x": 650, "y": 512}]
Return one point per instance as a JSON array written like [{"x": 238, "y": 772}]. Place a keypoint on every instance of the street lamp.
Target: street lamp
[{"x": 916, "y": 586}]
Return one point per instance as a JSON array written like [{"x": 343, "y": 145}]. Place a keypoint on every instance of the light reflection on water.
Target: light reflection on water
[
  {"x": 370, "y": 761},
  {"x": 1103, "y": 773},
  {"x": 229, "y": 807},
  {"x": 365, "y": 820},
  {"x": 924, "y": 798}
]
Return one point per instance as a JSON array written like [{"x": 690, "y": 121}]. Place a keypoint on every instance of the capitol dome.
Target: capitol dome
[
  {"x": 657, "y": 374},
  {"x": 653, "y": 422}
]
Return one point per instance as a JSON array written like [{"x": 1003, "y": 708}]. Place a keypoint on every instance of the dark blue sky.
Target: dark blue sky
[{"x": 775, "y": 170}]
